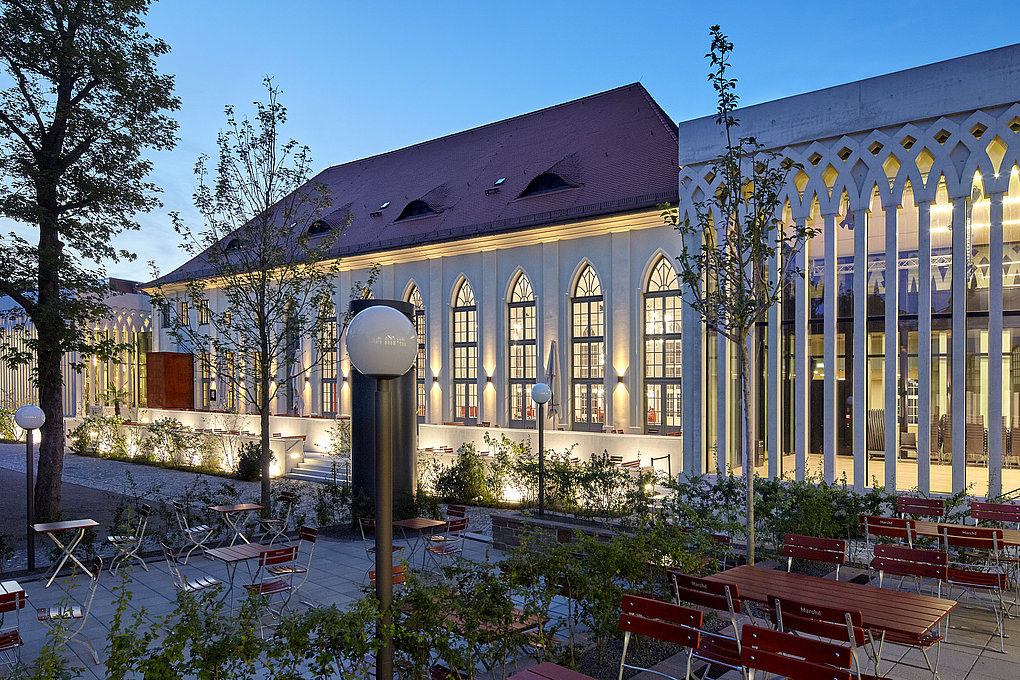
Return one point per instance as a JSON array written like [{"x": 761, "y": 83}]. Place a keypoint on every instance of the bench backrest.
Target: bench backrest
[
  {"x": 890, "y": 527},
  {"x": 275, "y": 556},
  {"x": 456, "y": 511},
  {"x": 996, "y": 512},
  {"x": 702, "y": 592},
  {"x": 457, "y": 525},
  {"x": 901, "y": 561},
  {"x": 10, "y": 602},
  {"x": 925, "y": 507},
  {"x": 834, "y": 623},
  {"x": 793, "y": 656},
  {"x": 831, "y": 550},
  {"x": 661, "y": 620},
  {"x": 973, "y": 538}
]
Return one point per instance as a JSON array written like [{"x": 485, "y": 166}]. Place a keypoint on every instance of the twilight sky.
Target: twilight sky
[{"x": 362, "y": 78}]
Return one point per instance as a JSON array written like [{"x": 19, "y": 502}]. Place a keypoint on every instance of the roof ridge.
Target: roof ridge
[{"x": 521, "y": 116}]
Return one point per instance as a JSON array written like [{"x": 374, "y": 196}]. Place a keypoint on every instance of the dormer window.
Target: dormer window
[
  {"x": 233, "y": 244},
  {"x": 318, "y": 228},
  {"x": 416, "y": 209},
  {"x": 543, "y": 184}
]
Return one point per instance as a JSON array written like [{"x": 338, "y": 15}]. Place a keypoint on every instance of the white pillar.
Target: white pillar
[
  {"x": 829, "y": 422},
  {"x": 924, "y": 347},
  {"x": 995, "y": 303},
  {"x": 860, "y": 407},
  {"x": 892, "y": 345}
]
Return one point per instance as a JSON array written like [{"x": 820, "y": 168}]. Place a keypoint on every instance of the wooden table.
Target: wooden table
[
  {"x": 419, "y": 525},
  {"x": 1010, "y": 537},
  {"x": 50, "y": 529},
  {"x": 549, "y": 671},
  {"x": 233, "y": 555},
  {"x": 229, "y": 510},
  {"x": 884, "y": 611}
]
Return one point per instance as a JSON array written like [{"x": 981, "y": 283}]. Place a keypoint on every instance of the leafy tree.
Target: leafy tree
[
  {"x": 264, "y": 249},
  {"x": 82, "y": 99},
  {"x": 736, "y": 234}
]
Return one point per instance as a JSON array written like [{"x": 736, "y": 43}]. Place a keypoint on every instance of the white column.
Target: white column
[
  {"x": 619, "y": 328},
  {"x": 995, "y": 303},
  {"x": 723, "y": 412},
  {"x": 892, "y": 345},
  {"x": 860, "y": 407},
  {"x": 959, "y": 374},
  {"x": 773, "y": 380},
  {"x": 695, "y": 390},
  {"x": 437, "y": 319},
  {"x": 924, "y": 347},
  {"x": 802, "y": 373},
  {"x": 551, "y": 318},
  {"x": 829, "y": 422},
  {"x": 491, "y": 344}
]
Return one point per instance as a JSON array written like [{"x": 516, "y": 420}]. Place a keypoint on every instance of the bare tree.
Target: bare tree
[
  {"x": 733, "y": 238},
  {"x": 264, "y": 249}
]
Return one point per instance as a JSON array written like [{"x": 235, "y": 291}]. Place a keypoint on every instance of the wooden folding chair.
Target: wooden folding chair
[
  {"x": 986, "y": 544},
  {"x": 923, "y": 565},
  {"x": 181, "y": 582},
  {"x": 793, "y": 656},
  {"x": 831, "y": 550},
  {"x": 12, "y": 599},
  {"x": 662, "y": 621},
  {"x": 875, "y": 527},
  {"x": 935, "y": 508},
  {"x": 836, "y": 624},
  {"x": 306, "y": 537},
  {"x": 68, "y": 621},
  {"x": 367, "y": 527},
  {"x": 715, "y": 648},
  {"x": 129, "y": 545}
]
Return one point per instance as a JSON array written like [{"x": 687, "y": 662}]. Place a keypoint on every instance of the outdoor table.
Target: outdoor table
[
  {"x": 419, "y": 525},
  {"x": 11, "y": 588},
  {"x": 50, "y": 529},
  {"x": 228, "y": 512},
  {"x": 233, "y": 555},
  {"x": 549, "y": 671},
  {"x": 898, "y": 613}
]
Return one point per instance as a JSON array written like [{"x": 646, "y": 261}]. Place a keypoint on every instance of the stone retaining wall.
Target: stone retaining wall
[{"x": 509, "y": 530}]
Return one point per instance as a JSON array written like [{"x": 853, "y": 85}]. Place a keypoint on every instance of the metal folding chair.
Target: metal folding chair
[
  {"x": 306, "y": 536},
  {"x": 195, "y": 535},
  {"x": 68, "y": 621},
  {"x": 181, "y": 582},
  {"x": 129, "y": 545},
  {"x": 276, "y": 527}
]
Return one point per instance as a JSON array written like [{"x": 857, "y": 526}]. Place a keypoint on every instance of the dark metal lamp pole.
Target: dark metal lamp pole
[
  {"x": 30, "y": 418},
  {"x": 540, "y": 394}
]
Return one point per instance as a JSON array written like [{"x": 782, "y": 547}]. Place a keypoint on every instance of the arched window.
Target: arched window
[
  {"x": 465, "y": 355},
  {"x": 329, "y": 402},
  {"x": 663, "y": 393},
  {"x": 588, "y": 359},
  {"x": 318, "y": 228},
  {"x": 415, "y": 209},
  {"x": 523, "y": 344},
  {"x": 419, "y": 363}
]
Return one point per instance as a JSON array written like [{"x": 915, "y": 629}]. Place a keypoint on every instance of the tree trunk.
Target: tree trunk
[
  {"x": 266, "y": 453},
  {"x": 50, "y": 329},
  {"x": 748, "y": 454}
]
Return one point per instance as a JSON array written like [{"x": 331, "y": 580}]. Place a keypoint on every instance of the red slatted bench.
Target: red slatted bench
[
  {"x": 922, "y": 507},
  {"x": 831, "y": 550}
]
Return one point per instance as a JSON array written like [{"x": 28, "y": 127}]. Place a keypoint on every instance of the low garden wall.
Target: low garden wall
[{"x": 513, "y": 529}]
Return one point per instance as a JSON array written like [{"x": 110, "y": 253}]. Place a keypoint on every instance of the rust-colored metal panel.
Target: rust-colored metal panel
[{"x": 171, "y": 380}]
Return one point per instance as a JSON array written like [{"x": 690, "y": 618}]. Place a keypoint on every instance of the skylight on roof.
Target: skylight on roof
[
  {"x": 499, "y": 181},
  {"x": 384, "y": 205}
]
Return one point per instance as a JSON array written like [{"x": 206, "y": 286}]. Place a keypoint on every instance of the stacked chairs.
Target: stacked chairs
[
  {"x": 129, "y": 545},
  {"x": 793, "y": 656},
  {"x": 68, "y": 621},
  {"x": 985, "y": 545},
  {"x": 662, "y": 621},
  {"x": 831, "y": 550},
  {"x": 715, "y": 648}
]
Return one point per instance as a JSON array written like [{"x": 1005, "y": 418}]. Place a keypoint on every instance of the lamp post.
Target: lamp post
[
  {"x": 541, "y": 394},
  {"x": 382, "y": 343},
  {"x": 30, "y": 418}
]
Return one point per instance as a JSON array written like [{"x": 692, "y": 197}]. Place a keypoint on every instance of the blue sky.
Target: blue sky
[{"x": 361, "y": 78}]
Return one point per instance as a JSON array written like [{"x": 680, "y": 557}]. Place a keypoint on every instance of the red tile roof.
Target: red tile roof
[{"x": 618, "y": 150}]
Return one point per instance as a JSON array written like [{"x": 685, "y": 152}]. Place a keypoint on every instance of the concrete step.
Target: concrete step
[
  {"x": 312, "y": 476},
  {"x": 319, "y": 467}
]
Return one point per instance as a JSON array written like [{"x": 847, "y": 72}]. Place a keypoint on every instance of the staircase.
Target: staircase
[{"x": 318, "y": 467}]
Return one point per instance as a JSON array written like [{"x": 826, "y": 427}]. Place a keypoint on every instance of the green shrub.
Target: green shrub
[
  {"x": 465, "y": 479},
  {"x": 249, "y": 462},
  {"x": 101, "y": 435}
]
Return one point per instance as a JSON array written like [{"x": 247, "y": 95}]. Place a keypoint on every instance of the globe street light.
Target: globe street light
[
  {"x": 383, "y": 343},
  {"x": 30, "y": 418},
  {"x": 541, "y": 394}
]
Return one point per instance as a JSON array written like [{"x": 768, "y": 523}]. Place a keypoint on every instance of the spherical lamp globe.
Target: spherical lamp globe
[
  {"x": 29, "y": 417},
  {"x": 541, "y": 393},
  {"x": 382, "y": 342}
]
